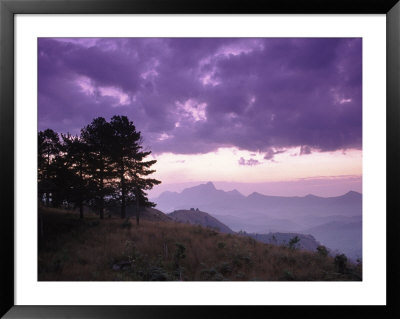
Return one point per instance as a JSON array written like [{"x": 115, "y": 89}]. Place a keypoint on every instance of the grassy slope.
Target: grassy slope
[{"x": 71, "y": 249}]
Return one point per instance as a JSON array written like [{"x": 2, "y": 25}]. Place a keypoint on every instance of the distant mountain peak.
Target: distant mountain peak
[
  {"x": 234, "y": 192},
  {"x": 210, "y": 185},
  {"x": 254, "y": 194},
  {"x": 352, "y": 193},
  {"x": 207, "y": 186},
  {"x": 201, "y": 187}
]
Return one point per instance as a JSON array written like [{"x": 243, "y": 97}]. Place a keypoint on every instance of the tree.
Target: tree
[
  {"x": 104, "y": 165},
  {"x": 98, "y": 138},
  {"x": 76, "y": 180},
  {"x": 48, "y": 151},
  {"x": 129, "y": 165},
  {"x": 340, "y": 262},
  {"x": 293, "y": 242}
]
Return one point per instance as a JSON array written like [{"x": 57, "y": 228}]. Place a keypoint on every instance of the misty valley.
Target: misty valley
[{"x": 335, "y": 222}]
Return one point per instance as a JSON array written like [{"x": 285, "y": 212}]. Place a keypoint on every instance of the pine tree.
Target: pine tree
[
  {"x": 48, "y": 150},
  {"x": 77, "y": 177},
  {"x": 105, "y": 164},
  {"x": 98, "y": 137},
  {"x": 130, "y": 166}
]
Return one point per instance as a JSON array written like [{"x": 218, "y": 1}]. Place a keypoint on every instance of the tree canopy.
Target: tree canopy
[{"x": 103, "y": 166}]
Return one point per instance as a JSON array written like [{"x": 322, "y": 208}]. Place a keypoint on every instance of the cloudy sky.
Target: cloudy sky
[{"x": 278, "y": 116}]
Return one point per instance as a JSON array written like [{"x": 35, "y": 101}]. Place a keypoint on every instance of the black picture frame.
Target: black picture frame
[{"x": 8, "y": 8}]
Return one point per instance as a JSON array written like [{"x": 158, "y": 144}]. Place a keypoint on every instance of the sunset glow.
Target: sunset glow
[{"x": 226, "y": 165}]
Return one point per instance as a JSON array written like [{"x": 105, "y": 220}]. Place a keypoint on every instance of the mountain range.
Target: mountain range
[{"x": 333, "y": 221}]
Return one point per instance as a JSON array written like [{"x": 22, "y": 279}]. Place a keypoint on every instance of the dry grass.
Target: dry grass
[{"x": 72, "y": 250}]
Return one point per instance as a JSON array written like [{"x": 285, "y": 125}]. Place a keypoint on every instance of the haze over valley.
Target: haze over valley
[{"x": 335, "y": 222}]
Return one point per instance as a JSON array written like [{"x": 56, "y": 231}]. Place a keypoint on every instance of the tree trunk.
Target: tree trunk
[
  {"x": 123, "y": 199},
  {"x": 101, "y": 209},
  {"x": 80, "y": 210},
  {"x": 123, "y": 209},
  {"x": 137, "y": 213},
  {"x": 41, "y": 225},
  {"x": 47, "y": 179},
  {"x": 101, "y": 190},
  {"x": 81, "y": 190}
]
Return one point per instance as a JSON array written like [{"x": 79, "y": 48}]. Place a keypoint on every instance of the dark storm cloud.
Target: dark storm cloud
[{"x": 196, "y": 95}]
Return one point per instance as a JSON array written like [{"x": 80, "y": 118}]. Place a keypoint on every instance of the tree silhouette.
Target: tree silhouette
[
  {"x": 340, "y": 262},
  {"x": 129, "y": 166},
  {"x": 97, "y": 137},
  {"x": 75, "y": 165},
  {"x": 48, "y": 150},
  {"x": 293, "y": 242},
  {"x": 105, "y": 165}
]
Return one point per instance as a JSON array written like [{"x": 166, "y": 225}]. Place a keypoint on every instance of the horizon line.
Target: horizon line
[{"x": 211, "y": 182}]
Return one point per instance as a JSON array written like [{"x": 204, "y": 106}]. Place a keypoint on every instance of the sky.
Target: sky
[{"x": 281, "y": 116}]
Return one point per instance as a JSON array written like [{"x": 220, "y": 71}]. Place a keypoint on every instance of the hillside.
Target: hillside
[
  {"x": 146, "y": 213},
  {"x": 307, "y": 242},
  {"x": 112, "y": 249},
  {"x": 197, "y": 217}
]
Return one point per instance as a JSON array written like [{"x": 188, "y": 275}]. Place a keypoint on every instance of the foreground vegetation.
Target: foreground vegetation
[{"x": 73, "y": 249}]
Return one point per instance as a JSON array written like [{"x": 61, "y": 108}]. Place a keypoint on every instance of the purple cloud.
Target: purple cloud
[
  {"x": 249, "y": 162},
  {"x": 270, "y": 153},
  {"x": 304, "y": 150},
  {"x": 196, "y": 95}
]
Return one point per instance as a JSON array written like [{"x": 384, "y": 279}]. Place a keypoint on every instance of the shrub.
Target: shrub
[
  {"x": 340, "y": 262},
  {"x": 179, "y": 253},
  {"x": 287, "y": 276},
  {"x": 211, "y": 232},
  {"x": 221, "y": 245},
  {"x": 240, "y": 276},
  {"x": 293, "y": 242},
  {"x": 158, "y": 274},
  {"x": 322, "y": 251},
  {"x": 218, "y": 277},
  {"x": 208, "y": 274},
  {"x": 225, "y": 268}
]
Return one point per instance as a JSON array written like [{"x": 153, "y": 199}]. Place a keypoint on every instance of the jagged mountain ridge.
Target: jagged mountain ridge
[{"x": 219, "y": 202}]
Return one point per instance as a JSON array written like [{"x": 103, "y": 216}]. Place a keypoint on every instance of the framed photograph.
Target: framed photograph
[{"x": 186, "y": 159}]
